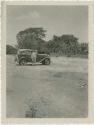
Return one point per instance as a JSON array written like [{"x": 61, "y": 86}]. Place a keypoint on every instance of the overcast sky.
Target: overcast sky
[{"x": 57, "y": 20}]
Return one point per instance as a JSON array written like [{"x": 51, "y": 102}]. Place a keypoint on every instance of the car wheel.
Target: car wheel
[
  {"x": 22, "y": 62},
  {"x": 47, "y": 62}
]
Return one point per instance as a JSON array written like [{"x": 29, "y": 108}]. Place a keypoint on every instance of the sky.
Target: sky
[{"x": 57, "y": 20}]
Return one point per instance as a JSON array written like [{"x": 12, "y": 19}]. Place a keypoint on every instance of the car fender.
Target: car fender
[
  {"x": 22, "y": 58},
  {"x": 44, "y": 59}
]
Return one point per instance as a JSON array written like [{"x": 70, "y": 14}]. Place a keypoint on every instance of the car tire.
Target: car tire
[
  {"x": 46, "y": 62},
  {"x": 22, "y": 62}
]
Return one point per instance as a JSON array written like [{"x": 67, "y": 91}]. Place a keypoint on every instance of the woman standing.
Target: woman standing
[{"x": 33, "y": 56}]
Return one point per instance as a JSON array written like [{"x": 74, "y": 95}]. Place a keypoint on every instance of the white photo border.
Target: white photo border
[{"x": 90, "y": 118}]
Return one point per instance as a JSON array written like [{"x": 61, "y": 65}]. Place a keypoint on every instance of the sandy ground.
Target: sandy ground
[{"x": 58, "y": 90}]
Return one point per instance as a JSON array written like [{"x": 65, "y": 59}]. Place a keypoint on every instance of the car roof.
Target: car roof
[{"x": 20, "y": 50}]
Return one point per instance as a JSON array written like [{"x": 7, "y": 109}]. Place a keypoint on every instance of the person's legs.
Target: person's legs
[{"x": 34, "y": 59}]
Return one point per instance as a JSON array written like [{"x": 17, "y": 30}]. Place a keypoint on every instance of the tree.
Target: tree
[
  {"x": 83, "y": 48},
  {"x": 30, "y": 38},
  {"x": 65, "y": 44},
  {"x": 10, "y": 49}
]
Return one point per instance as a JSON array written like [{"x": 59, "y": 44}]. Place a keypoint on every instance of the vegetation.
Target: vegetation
[
  {"x": 10, "y": 49},
  {"x": 67, "y": 45},
  {"x": 33, "y": 38}
]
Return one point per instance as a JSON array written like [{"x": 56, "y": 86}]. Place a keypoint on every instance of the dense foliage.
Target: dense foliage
[
  {"x": 67, "y": 45},
  {"x": 10, "y": 49},
  {"x": 33, "y": 38},
  {"x": 30, "y": 38}
]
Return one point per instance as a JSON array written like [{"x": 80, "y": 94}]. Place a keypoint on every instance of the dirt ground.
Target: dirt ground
[{"x": 58, "y": 90}]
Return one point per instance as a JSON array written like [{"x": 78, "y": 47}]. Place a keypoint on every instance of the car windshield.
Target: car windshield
[{"x": 27, "y": 52}]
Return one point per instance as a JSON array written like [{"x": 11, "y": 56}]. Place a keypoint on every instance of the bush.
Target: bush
[{"x": 10, "y": 49}]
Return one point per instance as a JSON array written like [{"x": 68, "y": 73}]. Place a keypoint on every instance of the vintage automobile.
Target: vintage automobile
[{"x": 23, "y": 57}]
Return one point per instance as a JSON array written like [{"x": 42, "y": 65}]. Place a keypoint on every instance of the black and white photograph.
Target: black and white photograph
[{"x": 47, "y": 61}]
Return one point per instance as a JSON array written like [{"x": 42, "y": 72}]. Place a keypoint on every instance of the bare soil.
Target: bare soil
[{"x": 59, "y": 90}]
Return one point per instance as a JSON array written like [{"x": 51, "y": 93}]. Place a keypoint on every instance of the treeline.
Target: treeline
[
  {"x": 33, "y": 38},
  {"x": 67, "y": 45},
  {"x": 10, "y": 49}
]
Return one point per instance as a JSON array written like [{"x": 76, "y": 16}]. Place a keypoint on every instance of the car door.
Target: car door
[
  {"x": 28, "y": 56},
  {"x": 40, "y": 57}
]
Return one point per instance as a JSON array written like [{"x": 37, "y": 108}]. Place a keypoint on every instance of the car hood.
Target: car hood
[{"x": 44, "y": 55}]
